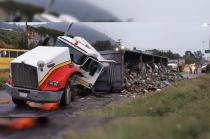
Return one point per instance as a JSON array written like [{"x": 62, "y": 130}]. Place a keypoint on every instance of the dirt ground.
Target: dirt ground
[
  {"x": 80, "y": 104},
  {"x": 61, "y": 120}
]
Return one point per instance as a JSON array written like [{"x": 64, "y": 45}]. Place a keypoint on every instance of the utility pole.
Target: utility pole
[
  {"x": 209, "y": 40},
  {"x": 26, "y": 36},
  {"x": 203, "y": 47},
  {"x": 206, "y": 25}
]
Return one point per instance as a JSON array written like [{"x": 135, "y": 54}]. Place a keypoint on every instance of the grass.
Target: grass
[
  {"x": 181, "y": 111},
  {"x": 2, "y": 83},
  {"x": 4, "y": 74},
  {"x": 12, "y": 39}
]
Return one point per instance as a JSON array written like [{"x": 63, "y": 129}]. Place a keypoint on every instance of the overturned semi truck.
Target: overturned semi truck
[
  {"x": 55, "y": 74},
  {"x": 113, "y": 77}
]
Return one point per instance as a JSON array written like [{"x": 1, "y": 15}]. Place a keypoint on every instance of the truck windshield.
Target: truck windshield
[{"x": 76, "y": 56}]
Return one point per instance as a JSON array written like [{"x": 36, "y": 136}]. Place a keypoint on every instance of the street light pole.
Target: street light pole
[
  {"x": 207, "y": 25},
  {"x": 203, "y": 46},
  {"x": 209, "y": 40}
]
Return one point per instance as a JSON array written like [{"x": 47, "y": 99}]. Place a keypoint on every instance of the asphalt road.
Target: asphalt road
[{"x": 190, "y": 76}]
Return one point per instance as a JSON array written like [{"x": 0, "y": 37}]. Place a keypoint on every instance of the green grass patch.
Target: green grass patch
[
  {"x": 148, "y": 128},
  {"x": 181, "y": 111},
  {"x": 2, "y": 83},
  {"x": 170, "y": 100},
  {"x": 12, "y": 39}
]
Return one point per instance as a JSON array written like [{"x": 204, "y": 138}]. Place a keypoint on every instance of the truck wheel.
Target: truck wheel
[
  {"x": 19, "y": 102},
  {"x": 68, "y": 94}
]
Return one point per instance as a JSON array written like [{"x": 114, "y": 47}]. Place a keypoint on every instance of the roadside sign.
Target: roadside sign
[{"x": 207, "y": 51}]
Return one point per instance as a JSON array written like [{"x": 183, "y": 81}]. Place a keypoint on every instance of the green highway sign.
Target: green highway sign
[{"x": 207, "y": 51}]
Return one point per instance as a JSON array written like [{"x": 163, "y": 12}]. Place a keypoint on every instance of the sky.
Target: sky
[
  {"x": 162, "y": 24},
  {"x": 158, "y": 10},
  {"x": 177, "y": 37}
]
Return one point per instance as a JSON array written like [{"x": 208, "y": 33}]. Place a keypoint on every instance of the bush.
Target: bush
[{"x": 2, "y": 83}]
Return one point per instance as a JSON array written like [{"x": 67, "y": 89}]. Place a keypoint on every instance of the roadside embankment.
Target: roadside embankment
[{"x": 179, "y": 111}]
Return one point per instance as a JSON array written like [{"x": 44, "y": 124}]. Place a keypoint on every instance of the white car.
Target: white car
[{"x": 173, "y": 66}]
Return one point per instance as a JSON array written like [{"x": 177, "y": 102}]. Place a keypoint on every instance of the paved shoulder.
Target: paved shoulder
[{"x": 4, "y": 95}]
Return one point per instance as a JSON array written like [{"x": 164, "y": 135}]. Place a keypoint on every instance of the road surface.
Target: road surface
[
  {"x": 190, "y": 76},
  {"x": 59, "y": 120},
  {"x": 80, "y": 104}
]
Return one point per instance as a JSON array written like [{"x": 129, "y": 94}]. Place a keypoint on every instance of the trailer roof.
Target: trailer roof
[{"x": 132, "y": 51}]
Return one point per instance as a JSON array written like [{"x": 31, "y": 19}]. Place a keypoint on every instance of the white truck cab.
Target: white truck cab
[
  {"x": 52, "y": 74},
  {"x": 84, "y": 56}
]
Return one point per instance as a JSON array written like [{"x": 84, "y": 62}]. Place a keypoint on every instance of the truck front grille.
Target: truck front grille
[{"x": 24, "y": 75}]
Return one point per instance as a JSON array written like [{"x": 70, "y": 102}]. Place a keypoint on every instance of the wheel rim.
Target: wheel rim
[{"x": 73, "y": 87}]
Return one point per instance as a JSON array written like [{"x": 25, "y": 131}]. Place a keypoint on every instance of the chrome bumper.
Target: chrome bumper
[{"x": 33, "y": 95}]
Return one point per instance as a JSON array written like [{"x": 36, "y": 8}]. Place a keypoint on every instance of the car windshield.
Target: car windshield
[{"x": 76, "y": 56}]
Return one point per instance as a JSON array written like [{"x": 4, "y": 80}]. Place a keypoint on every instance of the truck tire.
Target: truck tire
[
  {"x": 68, "y": 94},
  {"x": 19, "y": 102}
]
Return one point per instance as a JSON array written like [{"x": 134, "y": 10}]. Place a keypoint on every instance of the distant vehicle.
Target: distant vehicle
[
  {"x": 177, "y": 65},
  {"x": 7, "y": 55},
  {"x": 205, "y": 68},
  {"x": 173, "y": 66}
]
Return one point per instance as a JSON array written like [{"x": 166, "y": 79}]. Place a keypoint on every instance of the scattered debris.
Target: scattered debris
[{"x": 140, "y": 80}]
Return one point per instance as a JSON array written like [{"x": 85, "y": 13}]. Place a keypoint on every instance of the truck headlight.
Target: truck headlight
[{"x": 53, "y": 83}]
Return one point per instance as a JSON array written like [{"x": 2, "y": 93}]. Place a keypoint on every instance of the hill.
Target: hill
[
  {"x": 86, "y": 13},
  {"x": 12, "y": 39}
]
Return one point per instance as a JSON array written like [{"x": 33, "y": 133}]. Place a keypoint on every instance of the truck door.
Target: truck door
[{"x": 91, "y": 70}]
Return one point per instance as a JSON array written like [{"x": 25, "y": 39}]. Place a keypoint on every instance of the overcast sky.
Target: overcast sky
[
  {"x": 177, "y": 37},
  {"x": 158, "y": 10},
  {"x": 162, "y": 24}
]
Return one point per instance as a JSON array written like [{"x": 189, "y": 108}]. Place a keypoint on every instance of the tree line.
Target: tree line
[{"x": 189, "y": 56}]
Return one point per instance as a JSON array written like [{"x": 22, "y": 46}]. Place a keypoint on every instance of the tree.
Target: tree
[
  {"x": 168, "y": 54},
  {"x": 193, "y": 57}
]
